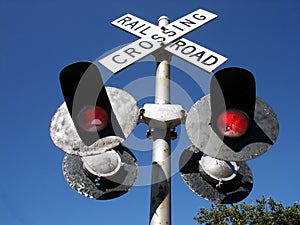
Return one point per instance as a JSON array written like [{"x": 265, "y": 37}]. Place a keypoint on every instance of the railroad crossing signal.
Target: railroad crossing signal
[
  {"x": 226, "y": 127},
  {"x": 89, "y": 127},
  {"x": 235, "y": 126}
]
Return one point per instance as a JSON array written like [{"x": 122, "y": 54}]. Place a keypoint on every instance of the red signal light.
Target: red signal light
[
  {"x": 93, "y": 119},
  {"x": 233, "y": 123}
]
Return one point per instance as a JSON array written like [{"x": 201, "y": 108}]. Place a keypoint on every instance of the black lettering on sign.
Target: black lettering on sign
[
  {"x": 145, "y": 44},
  {"x": 188, "y": 50},
  {"x": 131, "y": 52},
  {"x": 177, "y": 27},
  {"x": 158, "y": 38},
  {"x": 187, "y": 22},
  {"x": 210, "y": 60},
  {"x": 178, "y": 44},
  {"x": 132, "y": 24},
  {"x": 117, "y": 61},
  {"x": 199, "y": 17},
  {"x": 192, "y": 52},
  {"x": 135, "y": 25},
  {"x": 124, "y": 20},
  {"x": 199, "y": 55},
  {"x": 142, "y": 31},
  {"x": 168, "y": 32}
]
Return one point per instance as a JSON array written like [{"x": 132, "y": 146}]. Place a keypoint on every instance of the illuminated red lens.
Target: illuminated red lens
[
  {"x": 93, "y": 119},
  {"x": 233, "y": 123}
]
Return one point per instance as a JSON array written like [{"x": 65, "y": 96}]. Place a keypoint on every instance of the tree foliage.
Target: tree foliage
[{"x": 265, "y": 212}]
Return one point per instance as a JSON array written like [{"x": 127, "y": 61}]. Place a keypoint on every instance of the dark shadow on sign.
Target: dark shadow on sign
[
  {"x": 109, "y": 189},
  {"x": 236, "y": 190},
  {"x": 114, "y": 181},
  {"x": 191, "y": 155},
  {"x": 235, "y": 197},
  {"x": 125, "y": 153},
  {"x": 254, "y": 135},
  {"x": 112, "y": 195}
]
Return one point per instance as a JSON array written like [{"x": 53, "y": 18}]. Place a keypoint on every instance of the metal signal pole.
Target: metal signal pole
[{"x": 160, "y": 205}]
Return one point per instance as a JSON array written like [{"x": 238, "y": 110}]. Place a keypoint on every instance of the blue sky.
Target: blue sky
[{"x": 39, "y": 38}]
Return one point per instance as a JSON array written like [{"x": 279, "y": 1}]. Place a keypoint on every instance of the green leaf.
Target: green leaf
[{"x": 265, "y": 211}]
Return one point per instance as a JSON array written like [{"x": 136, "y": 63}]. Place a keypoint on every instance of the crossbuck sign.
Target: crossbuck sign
[{"x": 167, "y": 38}]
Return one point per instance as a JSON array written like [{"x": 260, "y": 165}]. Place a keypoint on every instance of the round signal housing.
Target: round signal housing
[
  {"x": 233, "y": 123},
  {"x": 217, "y": 170},
  {"x": 102, "y": 165},
  {"x": 93, "y": 119}
]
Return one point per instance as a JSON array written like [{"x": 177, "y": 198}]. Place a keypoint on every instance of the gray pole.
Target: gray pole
[{"x": 160, "y": 205}]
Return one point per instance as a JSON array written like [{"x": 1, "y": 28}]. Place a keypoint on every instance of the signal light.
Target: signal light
[
  {"x": 233, "y": 123},
  {"x": 233, "y": 98},
  {"x": 93, "y": 119},
  {"x": 88, "y": 103}
]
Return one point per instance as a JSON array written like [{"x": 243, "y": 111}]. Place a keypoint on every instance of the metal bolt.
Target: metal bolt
[
  {"x": 149, "y": 134},
  {"x": 141, "y": 115},
  {"x": 173, "y": 134}
]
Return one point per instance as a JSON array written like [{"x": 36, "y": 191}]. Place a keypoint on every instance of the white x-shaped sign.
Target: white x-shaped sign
[{"x": 168, "y": 38}]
